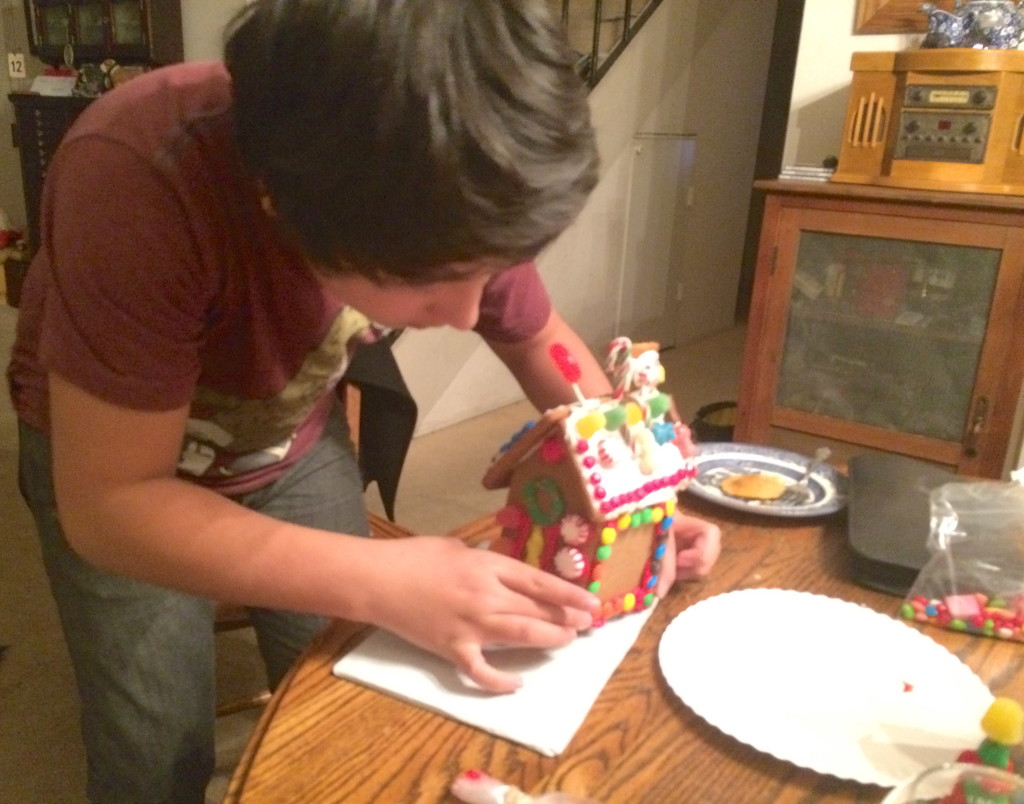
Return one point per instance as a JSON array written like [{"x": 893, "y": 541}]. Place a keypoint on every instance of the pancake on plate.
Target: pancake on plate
[{"x": 756, "y": 486}]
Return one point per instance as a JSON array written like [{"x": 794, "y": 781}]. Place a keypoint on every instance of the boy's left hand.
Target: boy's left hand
[{"x": 695, "y": 544}]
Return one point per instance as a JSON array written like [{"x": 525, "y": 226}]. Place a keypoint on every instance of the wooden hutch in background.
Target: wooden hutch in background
[
  {"x": 73, "y": 33},
  {"x": 888, "y": 302}
]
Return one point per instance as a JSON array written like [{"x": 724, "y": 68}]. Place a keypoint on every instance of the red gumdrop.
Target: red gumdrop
[{"x": 566, "y": 363}]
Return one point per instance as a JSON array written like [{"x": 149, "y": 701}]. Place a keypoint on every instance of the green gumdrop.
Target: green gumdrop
[
  {"x": 957, "y": 625},
  {"x": 614, "y": 418},
  {"x": 907, "y": 611},
  {"x": 659, "y": 405},
  {"x": 649, "y": 599},
  {"x": 594, "y": 588},
  {"x": 603, "y": 552}
]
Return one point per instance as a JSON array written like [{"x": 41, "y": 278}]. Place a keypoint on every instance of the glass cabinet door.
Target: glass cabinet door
[
  {"x": 887, "y": 332},
  {"x": 889, "y": 321},
  {"x": 90, "y": 24},
  {"x": 54, "y": 23},
  {"x": 128, "y": 26}
]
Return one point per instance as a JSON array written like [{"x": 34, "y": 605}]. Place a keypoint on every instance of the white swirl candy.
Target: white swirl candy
[
  {"x": 574, "y": 529},
  {"x": 570, "y": 563}
]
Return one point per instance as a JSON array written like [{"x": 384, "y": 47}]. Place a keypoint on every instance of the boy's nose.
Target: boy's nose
[{"x": 459, "y": 304}]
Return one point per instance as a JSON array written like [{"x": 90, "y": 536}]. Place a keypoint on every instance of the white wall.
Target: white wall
[
  {"x": 15, "y": 40},
  {"x": 697, "y": 66},
  {"x": 821, "y": 85},
  {"x": 202, "y": 23},
  {"x": 729, "y": 69}
]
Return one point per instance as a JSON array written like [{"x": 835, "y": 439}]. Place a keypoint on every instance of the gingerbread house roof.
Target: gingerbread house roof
[
  {"x": 499, "y": 473},
  {"x": 624, "y": 452}
]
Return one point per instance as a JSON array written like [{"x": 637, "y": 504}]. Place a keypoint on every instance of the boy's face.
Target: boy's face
[{"x": 452, "y": 301}]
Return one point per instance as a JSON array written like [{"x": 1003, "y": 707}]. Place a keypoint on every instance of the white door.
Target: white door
[{"x": 660, "y": 179}]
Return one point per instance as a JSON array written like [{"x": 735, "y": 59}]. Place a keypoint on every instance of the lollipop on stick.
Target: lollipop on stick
[{"x": 569, "y": 368}]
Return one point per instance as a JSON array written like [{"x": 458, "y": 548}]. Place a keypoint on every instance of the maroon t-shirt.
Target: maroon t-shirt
[{"x": 161, "y": 282}]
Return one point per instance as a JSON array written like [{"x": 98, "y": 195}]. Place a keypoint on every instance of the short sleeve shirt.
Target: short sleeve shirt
[{"x": 162, "y": 282}]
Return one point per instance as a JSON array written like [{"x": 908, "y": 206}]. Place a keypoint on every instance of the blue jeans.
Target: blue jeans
[{"x": 144, "y": 656}]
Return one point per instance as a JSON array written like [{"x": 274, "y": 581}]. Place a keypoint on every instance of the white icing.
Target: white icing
[{"x": 642, "y": 460}]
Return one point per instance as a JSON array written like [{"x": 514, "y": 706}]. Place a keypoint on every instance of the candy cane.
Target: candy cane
[
  {"x": 619, "y": 364},
  {"x": 476, "y": 787}
]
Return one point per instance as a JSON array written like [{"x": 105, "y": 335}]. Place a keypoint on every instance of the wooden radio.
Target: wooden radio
[{"x": 937, "y": 119}]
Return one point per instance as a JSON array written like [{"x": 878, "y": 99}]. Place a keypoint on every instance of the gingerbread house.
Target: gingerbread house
[{"x": 592, "y": 485}]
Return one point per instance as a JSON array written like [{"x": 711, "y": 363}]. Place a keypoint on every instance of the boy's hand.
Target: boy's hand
[
  {"x": 455, "y": 601},
  {"x": 696, "y": 544}
]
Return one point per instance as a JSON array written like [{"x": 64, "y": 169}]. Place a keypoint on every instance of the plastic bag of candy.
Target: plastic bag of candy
[{"x": 974, "y": 579}]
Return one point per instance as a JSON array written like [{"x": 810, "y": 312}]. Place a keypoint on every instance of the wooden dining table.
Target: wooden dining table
[{"x": 324, "y": 739}]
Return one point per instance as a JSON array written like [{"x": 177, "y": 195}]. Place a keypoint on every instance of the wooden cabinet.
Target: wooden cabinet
[
  {"x": 890, "y": 319},
  {"x": 128, "y": 31},
  {"x": 40, "y": 123}
]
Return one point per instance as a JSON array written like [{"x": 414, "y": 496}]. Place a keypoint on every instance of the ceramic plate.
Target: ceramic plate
[
  {"x": 717, "y": 461},
  {"x": 824, "y": 684}
]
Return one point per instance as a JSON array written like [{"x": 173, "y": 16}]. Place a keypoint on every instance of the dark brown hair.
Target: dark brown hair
[{"x": 395, "y": 136}]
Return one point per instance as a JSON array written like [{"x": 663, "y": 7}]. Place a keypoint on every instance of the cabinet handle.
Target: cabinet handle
[{"x": 978, "y": 421}]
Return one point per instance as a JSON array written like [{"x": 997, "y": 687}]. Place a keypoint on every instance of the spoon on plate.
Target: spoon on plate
[{"x": 799, "y": 492}]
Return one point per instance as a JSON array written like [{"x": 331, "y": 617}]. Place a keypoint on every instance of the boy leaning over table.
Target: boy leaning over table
[{"x": 351, "y": 167}]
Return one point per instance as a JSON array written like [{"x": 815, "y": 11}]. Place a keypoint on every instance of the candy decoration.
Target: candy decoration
[
  {"x": 664, "y": 432},
  {"x": 611, "y": 451},
  {"x": 543, "y": 501},
  {"x": 575, "y": 530},
  {"x": 619, "y": 365},
  {"x": 589, "y": 424},
  {"x": 570, "y": 563},
  {"x": 511, "y": 516},
  {"x": 646, "y": 451},
  {"x": 1003, "y": 725},
  {"x": 516, "y": 436},
  {"x": 615, "y": 417},
  {"x": 552, "y": 450},
  {"x": 658, "y": 405},
  {"x": 534, "y": 547},
  {"x": 476, "y": 787},
  {"x": 569, "y": 368},
  {"x": 973, "y": 613}
]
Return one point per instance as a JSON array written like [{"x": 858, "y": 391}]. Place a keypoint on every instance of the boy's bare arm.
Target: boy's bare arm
[
  {"x": 531, "y": 364},
  {"x": 123, "y": 509}
]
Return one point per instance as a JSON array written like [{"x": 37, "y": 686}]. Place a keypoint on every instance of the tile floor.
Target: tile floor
[{"x": 40, "y": 755}]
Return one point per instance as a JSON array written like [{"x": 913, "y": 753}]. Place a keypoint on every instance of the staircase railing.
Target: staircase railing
[{"x": 600, "y": 30}]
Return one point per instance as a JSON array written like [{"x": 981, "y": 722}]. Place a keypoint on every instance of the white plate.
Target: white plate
[
  {"x": 824, "y": 684},
  {"x": 717, "y": 461}
]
